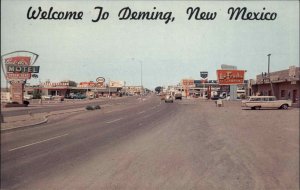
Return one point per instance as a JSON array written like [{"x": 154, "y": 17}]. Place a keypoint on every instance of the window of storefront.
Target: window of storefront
[
  {"x": 282, "y": 93},
  {"x": 289, "y": 95},
  {"x": 295, "y": 96},
  {"x": 269, "y": 93}
]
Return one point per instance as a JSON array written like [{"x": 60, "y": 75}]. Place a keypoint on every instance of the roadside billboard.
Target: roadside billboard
[
  {"x": 5, "y": 97},
  {"x": 203, "y": 74},
  {"x": 230, "y": 77},
  {"x": 100, "y": 82},
  {"x": 18, "y": 66},
  {"x": 55, "y": 84},
  {"x": 87, "y": 84},
  {"x": 188, "y": 82},
  {"x": 116, "y": 83}
]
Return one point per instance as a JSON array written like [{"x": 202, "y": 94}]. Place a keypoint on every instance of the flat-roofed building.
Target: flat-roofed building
[{"x": 284, "y": 84}]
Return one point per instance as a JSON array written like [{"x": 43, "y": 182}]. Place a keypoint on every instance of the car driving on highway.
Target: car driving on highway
[
  {"x": 168, "y": 99},
  {"x": 178, "y": 96}
]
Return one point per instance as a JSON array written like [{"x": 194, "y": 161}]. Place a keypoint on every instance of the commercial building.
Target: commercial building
[
  {"x": 133, "y": 90},
  {"x": 65, "y": 88},
  {"x": 200, "y": 88},
  {"x": 284, "y": 84}
]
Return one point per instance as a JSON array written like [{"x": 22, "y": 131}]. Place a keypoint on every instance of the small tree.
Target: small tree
[
  {"x": 36, "y": 94},
  {"x": 243, "y": 96},
  {"x": 158, "y": 89}
]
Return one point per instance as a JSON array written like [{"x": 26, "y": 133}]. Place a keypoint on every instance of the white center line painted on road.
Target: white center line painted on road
[
  {"x": 145, "y": 116},
  {"x": 114, "y": 120},
  {"x": 141, "y": 112},
  {"x": 38, "y": 142}
]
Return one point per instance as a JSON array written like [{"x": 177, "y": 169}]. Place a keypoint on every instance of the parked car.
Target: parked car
[
  {"x": 59, "y": 98},
  {"x": 76, "y": 96},
  {"x": 168, "y": 99},
  {"x": 214, "y": 97},
  {"x": 258, "y": 102},
  {"x": 47, "y": 97},
  {"x": 79, "y": 96},
  {"x": 223, "y": 95},
  {"x": 28, "y": 97},
  {"x": 178, "y": 96}
]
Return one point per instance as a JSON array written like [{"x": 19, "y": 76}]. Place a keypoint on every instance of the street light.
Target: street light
[{"x": 141, "y": 72}]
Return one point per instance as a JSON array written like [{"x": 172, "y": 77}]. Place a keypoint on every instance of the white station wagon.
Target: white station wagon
[{"x": 257, "y": 102}]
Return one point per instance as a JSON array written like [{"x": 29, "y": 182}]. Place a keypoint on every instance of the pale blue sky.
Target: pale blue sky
[{"x": 115, "y": 49}]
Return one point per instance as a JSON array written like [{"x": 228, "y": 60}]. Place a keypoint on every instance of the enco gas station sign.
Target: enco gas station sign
[{"x": 18, "y": 66}]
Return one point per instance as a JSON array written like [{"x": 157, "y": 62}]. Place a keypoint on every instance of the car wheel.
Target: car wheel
[
  {"x": 253, "y": 108},
  {"x": 284, "y": 106}
]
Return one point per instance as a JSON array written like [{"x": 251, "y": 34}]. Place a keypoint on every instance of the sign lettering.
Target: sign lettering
[{"x": 230, "y": 77}]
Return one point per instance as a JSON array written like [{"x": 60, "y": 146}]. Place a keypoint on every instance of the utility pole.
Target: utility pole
[
  {"x": 141, "y": 74},
  {"x": 269, "y": 64},
  {"x": 141, "y": 89},
  {"x": 108, "y": 87},
  {"x": 269, "y": 55}
]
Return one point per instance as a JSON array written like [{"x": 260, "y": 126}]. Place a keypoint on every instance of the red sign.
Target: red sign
[
  {"x": 230, "y": 77},
  {"x": 18, "y": 76},
  {"x": 17, "y": 92},
  {"x": 87, "y": 84},
  {"x": 18, "y": 60},
  {"x": 17, "y": 67},
  {"x": 188, "y": 82}
]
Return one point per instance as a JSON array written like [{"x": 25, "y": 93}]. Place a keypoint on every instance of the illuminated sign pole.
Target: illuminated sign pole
[
  {"x": 232, "y": 88},
  {"x": 231, "y": 77},
  {"x": 18, "y": 67},
  {"x": 204, "y": 75},
  {"x": 187, "y": 84}
]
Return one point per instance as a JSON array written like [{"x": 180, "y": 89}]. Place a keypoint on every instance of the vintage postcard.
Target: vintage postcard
[{"x": 145, "y": 94}]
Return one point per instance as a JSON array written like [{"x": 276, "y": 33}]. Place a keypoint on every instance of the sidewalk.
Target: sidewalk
[{"x": 21, "y": 121}]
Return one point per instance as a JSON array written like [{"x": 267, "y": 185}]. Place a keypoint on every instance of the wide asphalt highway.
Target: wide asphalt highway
[
  {"x": 149, "y": 144},
  {"x": 35, "y": 153},
  {"x": 49, "y": 106}
]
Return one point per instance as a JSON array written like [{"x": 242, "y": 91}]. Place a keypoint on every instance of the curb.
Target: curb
[
  {"x": 25, "y": 126},
  {"x": 35, "y": 124}
]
